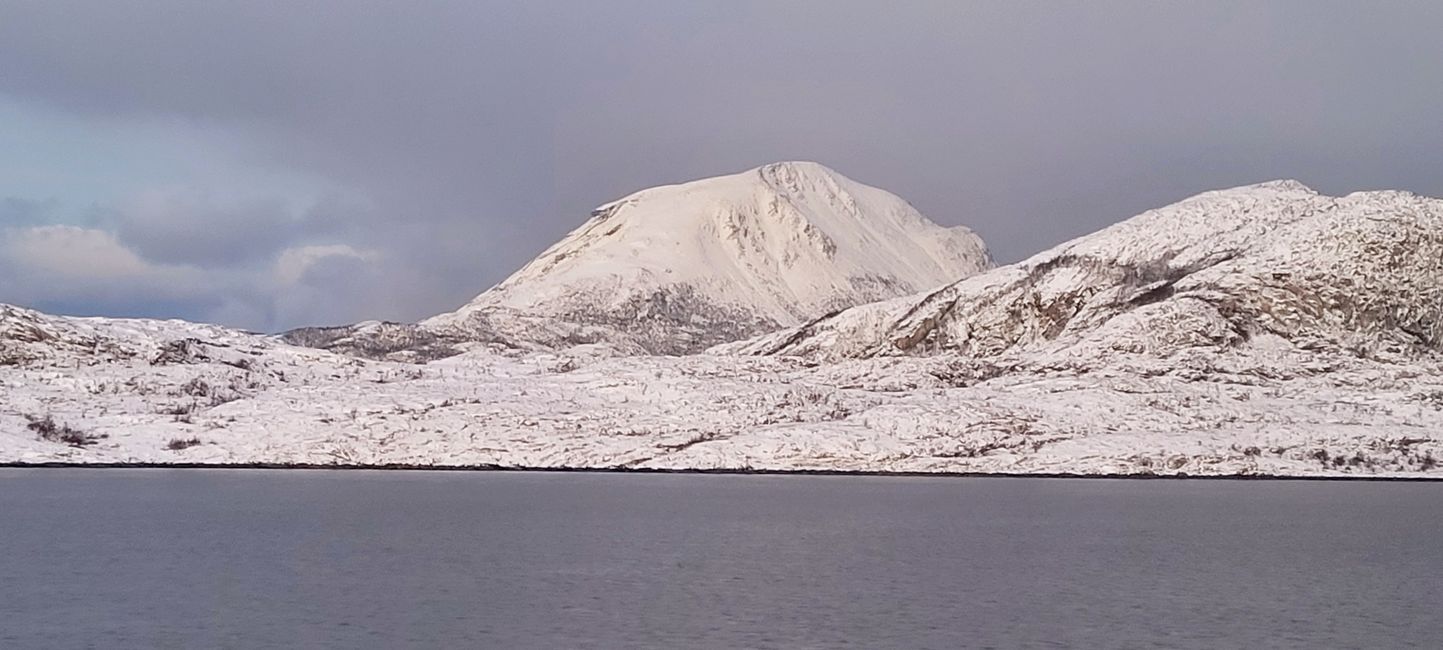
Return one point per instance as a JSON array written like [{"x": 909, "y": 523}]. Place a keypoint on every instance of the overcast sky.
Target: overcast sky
[{"x": 273, "y": 164}]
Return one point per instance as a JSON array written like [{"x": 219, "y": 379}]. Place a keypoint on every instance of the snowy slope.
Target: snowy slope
[
  {"x": 1262, "y": 265},
  {"x": 172, "y": 392},
  {"x": 677, "y": 268}
]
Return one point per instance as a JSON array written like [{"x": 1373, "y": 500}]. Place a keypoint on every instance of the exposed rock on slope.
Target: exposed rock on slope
[
  {"x": 675, "y": 269},
  {"x": 1263, "y": 265}
]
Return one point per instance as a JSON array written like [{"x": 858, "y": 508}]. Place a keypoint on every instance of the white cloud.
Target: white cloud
[
  {"x": 61, "y": 264},
  {"x": 293, "y": 263},
  {"x": 73, "y": 252},
  {"x": 92, "y": 271},
  {"x": 86, "y": 271}
]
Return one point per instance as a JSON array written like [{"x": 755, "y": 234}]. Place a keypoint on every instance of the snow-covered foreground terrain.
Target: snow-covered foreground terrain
[
  {"x": 161, "y": 392},
  {"x": 1266, "y": 329}
]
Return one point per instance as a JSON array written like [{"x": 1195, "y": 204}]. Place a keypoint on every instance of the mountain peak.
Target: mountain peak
[
  {"x": 799, "y": 178},
  {"x": 1287, "y": 185},
  {"x": 787, "y": 178},
  {"x": 717, "y": 258},
  {"x": 797, "y": 170},
  {"x": 804, "y": 167}
]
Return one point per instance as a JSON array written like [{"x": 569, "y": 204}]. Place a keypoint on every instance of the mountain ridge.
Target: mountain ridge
[{"x": 1224, "y": 267}]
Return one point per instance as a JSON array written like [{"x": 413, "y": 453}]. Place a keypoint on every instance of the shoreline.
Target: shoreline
[{"x": 699, "y": 471}]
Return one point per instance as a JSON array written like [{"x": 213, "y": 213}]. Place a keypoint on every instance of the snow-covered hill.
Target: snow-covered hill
[
  {"x": 1264, "y": 329},
  {"x": 674, "y": 269},
  {"x": 1257, "y": 267}
]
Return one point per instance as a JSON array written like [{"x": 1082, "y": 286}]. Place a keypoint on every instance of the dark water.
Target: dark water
[{"x": 250, "y": 559}]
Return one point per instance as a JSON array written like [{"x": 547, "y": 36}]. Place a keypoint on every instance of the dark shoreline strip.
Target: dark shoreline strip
[{"x": 743, "y": 472}]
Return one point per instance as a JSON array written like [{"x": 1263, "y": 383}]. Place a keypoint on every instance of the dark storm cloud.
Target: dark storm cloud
[{"x": 474, "y": 134}]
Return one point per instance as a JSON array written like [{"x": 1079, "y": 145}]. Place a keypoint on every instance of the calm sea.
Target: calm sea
[{"x": 285, "y": 559}]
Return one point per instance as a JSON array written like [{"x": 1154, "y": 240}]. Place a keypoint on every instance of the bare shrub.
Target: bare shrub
[
  {"x": 13, "y": 356},
  {"x": 177, "y": 444},
  {"x": 223, "y": 398},
  {"x": 178, "y": 409},
  {"x": 180, "y": 351},
  {"x": 240, "y": 364},
  {"x": 48, "y": 429},
  {"x": 196, "y": 388},
  {"x": 1434, "y": 398}
]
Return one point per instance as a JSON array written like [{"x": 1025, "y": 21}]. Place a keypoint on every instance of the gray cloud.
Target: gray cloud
[
  {"x": 16, "y": 211},
  {"x": 182, "y": 228},
  {"x": 472, "y": 135},
  {"x": 85, "y": 270}
]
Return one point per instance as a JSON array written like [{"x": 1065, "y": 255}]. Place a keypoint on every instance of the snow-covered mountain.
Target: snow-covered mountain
[
  {"x": 674, "y": 269},
  {"x": 1260, "y": 330},
  {"x": 1262, "y": 266}
]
